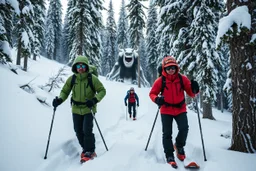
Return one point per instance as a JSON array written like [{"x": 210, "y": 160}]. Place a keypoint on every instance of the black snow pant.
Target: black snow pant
[
  {"x": 83, "y": 126},
  {"x": 130, "y": 106},
  {"x": 182, "y": 123}
]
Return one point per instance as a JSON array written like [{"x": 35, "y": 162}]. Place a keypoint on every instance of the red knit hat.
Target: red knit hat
[{"x": 169, "y": 61}]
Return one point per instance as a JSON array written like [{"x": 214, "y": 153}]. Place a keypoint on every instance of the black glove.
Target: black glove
[
  {"x": 56, "y": 102},
  {"x": 125, "y": 103},
  {"x": 138, "y": 105},
  {"x": 160, "y": 100},
  {"x": 91, "y": 103},
  {"x": 194, "y": 86}
]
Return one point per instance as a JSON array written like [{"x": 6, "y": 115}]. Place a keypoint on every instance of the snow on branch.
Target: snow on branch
[
  {"x": 42, "y": 100},
  {"x": 237, "y": 21},
  {"x": 54, "y": 81},
  {"x": 27, "y": 87},
  {"x": 253, "y": 40}
]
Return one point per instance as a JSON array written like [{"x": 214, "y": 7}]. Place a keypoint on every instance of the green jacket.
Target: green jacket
[{"x": 81, "y": 91}]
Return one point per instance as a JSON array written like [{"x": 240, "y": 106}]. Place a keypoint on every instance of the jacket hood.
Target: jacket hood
[{"x": 80, "y": 59}]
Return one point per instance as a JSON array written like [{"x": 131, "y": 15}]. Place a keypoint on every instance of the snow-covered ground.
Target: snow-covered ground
[{"x": 25, "y": 125}]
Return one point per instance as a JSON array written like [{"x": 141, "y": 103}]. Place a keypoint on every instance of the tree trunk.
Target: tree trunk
[
  {"x": 201, "y": 101},
  {"x": 34, "y": 56},
  {"x": 19, "y": 52},
  {"x": 244, "y": 94},
  {"x": 25, "y": 63},
  {"x": 138, "y": 71},
  {"x": 243, "y": 73},
  {"x": 218, "y": 101},
  {"x": 221, "y": 101},
  {"x": 21, "y": 24},
  {"x": 207, "y": 111}
]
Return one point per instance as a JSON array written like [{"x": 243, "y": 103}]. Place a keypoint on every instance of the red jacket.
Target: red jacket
[{"x": 173, "y": 93}]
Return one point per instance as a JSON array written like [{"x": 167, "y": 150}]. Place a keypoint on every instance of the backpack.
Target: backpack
[{"x": 164, "y": 85}]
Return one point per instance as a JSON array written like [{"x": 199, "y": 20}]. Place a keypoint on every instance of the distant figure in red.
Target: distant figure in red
[
  {"x": 172, "y": 106},
  {"x": 132, "y": 99}
]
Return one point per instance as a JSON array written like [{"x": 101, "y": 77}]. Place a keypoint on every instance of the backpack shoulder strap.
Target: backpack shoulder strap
[
  {"x": 73, "y": 80},
  {"x": 181, "y": 81},
  {"x": 163, "y": 84},
  {"x": 90, "y": 82}
]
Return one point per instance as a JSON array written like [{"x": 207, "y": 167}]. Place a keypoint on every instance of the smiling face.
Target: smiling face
[
  {"x": 170, "y": 69},
  {"x": 81, "y": 67},
  {"x": 128, "y": 57}
]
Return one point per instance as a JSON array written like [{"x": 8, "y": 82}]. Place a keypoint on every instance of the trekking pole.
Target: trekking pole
[
  {"x": 50, "y": 132},
  {"x": 99, "y": 129},
  {"x": 200, "y": 127},
  {"x": 152, "y": 128}
]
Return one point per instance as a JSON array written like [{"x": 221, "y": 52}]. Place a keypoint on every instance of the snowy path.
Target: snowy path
[
  {"x": 126, "y": 143},
  {"x": 125, "y": 139}
]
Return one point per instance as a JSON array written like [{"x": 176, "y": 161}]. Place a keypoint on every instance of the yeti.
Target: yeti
[{"x": 126, "y": 68}]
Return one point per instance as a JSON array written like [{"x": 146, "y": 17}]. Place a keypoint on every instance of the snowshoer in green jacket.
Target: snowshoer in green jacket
[{"x": 83, "y": 99}]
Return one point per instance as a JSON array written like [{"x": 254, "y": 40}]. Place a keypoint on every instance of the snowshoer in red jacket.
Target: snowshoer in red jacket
[
  {"x": 132, "y": 98},
  {"x": 171, "y": 102}
]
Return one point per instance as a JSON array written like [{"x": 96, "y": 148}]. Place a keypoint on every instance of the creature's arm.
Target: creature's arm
[{"x": 114, "y": 72}]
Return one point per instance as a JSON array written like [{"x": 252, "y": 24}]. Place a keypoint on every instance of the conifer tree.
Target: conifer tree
[
  {"x": 95, "y": 8},
  {"x": 6, "y": 26},
  {"x": 53, "y": 29},
  {"x": 171, "y": 21},
  {"x": 64, "y": 41},
  {"x": 137, "y": 21},
  {"x": 143, "y": 55},
  {"x": 68, "y": 34},
  {"x": 25, "y": 32},
  {"x": 111, "y": 49},
  {"x": 137, "y": 24},
  {"x": 151, "y": 42},
  {"x": 122, "y": 29},
  {"x": 202, "y": 61},
  {"x": 38, "y": 29},
  {"x": 104, "y": 59},
  {"x": 85, "y": 23}
]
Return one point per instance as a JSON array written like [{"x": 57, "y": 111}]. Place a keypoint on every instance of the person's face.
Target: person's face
[
  {"x": 81, "y": 68},
  {"x": 132, "y": 91},
  {"x": 170, "y": 70}
]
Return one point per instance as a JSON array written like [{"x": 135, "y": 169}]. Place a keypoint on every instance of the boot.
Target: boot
[
  {"x": 180, "y": 152},
  {"x": 88, "y": 156},
  {"x": 82, "y": 154},
  {"x": 170, "y": 160}
]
